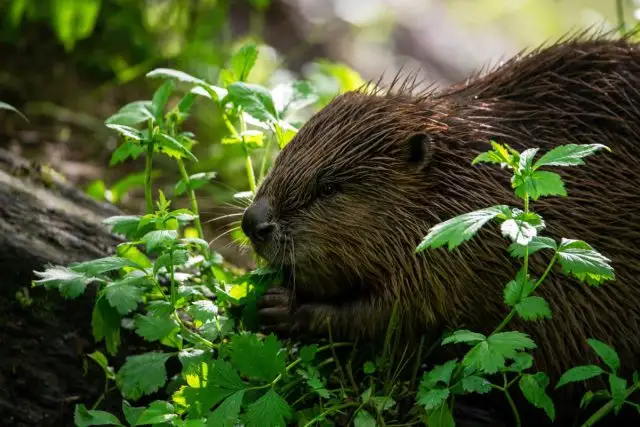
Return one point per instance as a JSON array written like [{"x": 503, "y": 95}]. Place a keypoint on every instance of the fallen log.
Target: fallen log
[{"x": 43, "y": 338}]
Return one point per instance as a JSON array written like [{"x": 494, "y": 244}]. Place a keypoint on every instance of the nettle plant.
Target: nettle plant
[
  {"x": 165, "y": 284},
  {"x": 501, "y": 360}
]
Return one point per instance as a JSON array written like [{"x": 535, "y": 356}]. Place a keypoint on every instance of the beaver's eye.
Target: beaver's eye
[{"x": 328, "y": 190}]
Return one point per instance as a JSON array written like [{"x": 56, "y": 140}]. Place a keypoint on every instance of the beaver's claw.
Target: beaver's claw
[{"x": 275, "y": 311}]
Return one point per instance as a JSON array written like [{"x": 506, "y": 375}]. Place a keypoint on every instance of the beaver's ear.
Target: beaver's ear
[{"x": 418, "y": 149}]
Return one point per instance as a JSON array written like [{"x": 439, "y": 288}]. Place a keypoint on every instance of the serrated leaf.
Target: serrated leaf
[
  {"x": 123, "y": 224},
  {"x": 538, "y": 184},
  {"x": 521, "y": 362},
  {"x": 526, "y": 158},
  {"x": 440, "y": 373},
  {"x": 71, "y": 284},
  {"x": 579, "y": 373},
  {"x": 154, "y": 328},
  {"x": 83, "y": 417},
  {"x": 243, "y": 61},
  {"x": 499, "y": 154},
  {"x": 203, "y": 310},
  {"x": 167, "y": 259},
  {"x": 533, "y": 308},
  {"x": 518, "y": 289},
  {"x": 606, "y": 353},
  {"x": 313, "y": 380},
  {"x": 224, "y": 376},
  {"x": 459, "y": 229},
  {"x": 520, "y": 232},
  {"x": 172, "y": 147},
  {"x": 568, "y": 155},
  {"x": 101, "y": 360},
  {"x": 102, "y": 265},
  {"x": 142, "y": 374},
  {"x": 157, "y": 413},
  {"x": 364, "y": 419},
  {"x": 196, "y": 181},
  {"x": 125, "y": 294},
  {"x": 161, "y": 98},
  {"x": 536, "y": 244},
  {"x": 583, "y": 262},
  {"x": 218, "y": 327},
  {"x": 433, "y": 398},
  {"x": 533, "y": 388},
  {"x": 105, "y": 323},
  {"x": 465, "y": 336},
  {"x": 264, "y": 360},
  {"x": 127, "y": 149},
  {"x": 127, "y": 131},
  {"x": 618, "y": 387},
  {"x": 131, "y": 413},
  {"x": 308, "y": 353},
  {"x": 132, "y": 114},
  {"x": 293, "y": 96},
  {"x": 254, "y": 99},
  {"x": 159, "y": 238},
  {"x": 228, "y": 412},
  {"x": 476, "y": 384},
  {"x": 489, "y": 356},
  {"x": 270, "y": 410},
  {"x": 383, "y": 403},
  {"x": 441, "y": 417}
]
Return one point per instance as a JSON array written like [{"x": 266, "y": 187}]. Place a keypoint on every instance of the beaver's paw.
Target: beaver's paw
[{"x": 275, "y": 312}]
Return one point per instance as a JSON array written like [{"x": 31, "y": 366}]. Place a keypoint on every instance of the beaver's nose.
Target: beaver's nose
[{"x": 256, "y": 223}]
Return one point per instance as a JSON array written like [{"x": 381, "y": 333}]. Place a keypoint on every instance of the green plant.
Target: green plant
[
  {"x": 505, "y": 353},
  {"x": 5, "y": 106}
]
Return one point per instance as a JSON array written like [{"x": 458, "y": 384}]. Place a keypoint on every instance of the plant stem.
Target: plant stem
[
  {"x": 622, "y": 26},
  {"x": 247, "y": 158},
  {"x": 512, "y": 404},
  {"x": 147, "y": 178},
  {"x": 192, "y": 197},
  {"x": 263, "y": 166},
  {"x": 330, "y": 410},
  {"x": 544, "y": 275},
  {"x": 609, "y": 407},
  {"x": 173, "y": 281}
]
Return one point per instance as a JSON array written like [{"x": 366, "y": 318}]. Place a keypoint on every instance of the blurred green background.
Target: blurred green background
[{"x": 69, "y": 64}]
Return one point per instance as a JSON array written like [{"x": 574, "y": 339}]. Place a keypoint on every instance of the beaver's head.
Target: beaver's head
[{"x": 339, "y": 207}]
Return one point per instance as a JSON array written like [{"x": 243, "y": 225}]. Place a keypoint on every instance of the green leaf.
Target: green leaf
[
  {"x": 526, "y": 157},
  {"x": 154, "y": 328},
  {"x": 383, "y": 403},
  {"x": 579, "y": 373},
  {"x": 369, "y": 367},
  {"x": 364, "y": 419},
  {"x": 536, "y": 244},
  {"x": 441, "y": 417},
  {"x": 270, "y": 410},
  {"x": 255, "y": 100},
  {"x": 568, "y": 155},
  {"x": 5, "y": 106},
  {"x": 433, "y": 398},
  {"x": 243, "y": 61},
  {"x": 83, "y": 417},
  {"x": 519, "y": 231},
  {"x": 157, "y": 413},
  {"x": 167, "y": 73},
  {"x": 518, "y": 289},
  {"x": 161, "y": 98},
  {"x": 476, "y": 384},
  {"x": 123, "y": 224},
  {"x": 465, "y": 336},
  {"x": 618, "y": 387},
  {"x": 218, "y": 327},
  {"x": 159, "y": 239},
  {"x": 73, "y": 21},
  {"x": 142, "y": 374},
  {"x": 533, "y": 388},
  {"x": 226, "y": 415},
  {"x": 132, "y": 114},
  {"x": 583, "y": 262},
  {"x": 71, "y": 284},
  {"x": 456, "y": 230},
  {"x": 315, "y": 381},
  {"x": 125, "y": 294},
  {"x": 225, "y": 377},
  {"x": 606, "y": 353},
  {"x": 131, "y": 413},
  {"x": 521, "y": 362},
  {"x": 102, "y": 265},
  {"x": 101, "y": 360},
  {"x": 264, "y": 360},
  {"x": 489, "y": 356},
  {"x": 538, "y": 184},
  {"x": 178, "y": 257},
  {"x": 124, "y": 151},
  {"x": 173, "y": 148},
  {"x": 105, "y": 322},
  {"x": 293, "y": 96},
  {"x": 195, "y": 181},
  {"x": 308, "y": 353},
  {"x": 203, "y": 310},
  {"x": 440, "y": 373},
  {"x": 499, "y": 155},
  {"x": 127, "y": 131},
  {"x": 533, "y": 308}
]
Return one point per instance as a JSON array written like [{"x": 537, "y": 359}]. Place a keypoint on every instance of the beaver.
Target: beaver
[{"x": 351, "y": 196}]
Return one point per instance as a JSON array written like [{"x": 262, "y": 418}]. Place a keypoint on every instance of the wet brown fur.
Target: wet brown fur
[{"x": 352, "y": 253}]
